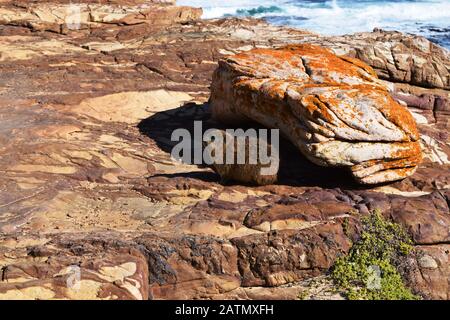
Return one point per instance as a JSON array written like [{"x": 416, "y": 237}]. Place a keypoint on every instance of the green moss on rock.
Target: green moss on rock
[{"x": 368, "y": 272}]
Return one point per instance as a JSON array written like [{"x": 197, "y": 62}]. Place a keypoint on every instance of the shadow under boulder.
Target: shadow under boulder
[{"x": 294, "y": 170}]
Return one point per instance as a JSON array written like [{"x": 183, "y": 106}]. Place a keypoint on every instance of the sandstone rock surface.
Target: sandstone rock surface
[
  {"x": 397, "y": 57},
  {"x": 334, "y": 109},
  {"x": 87, "y": 180},
  {"x": 62, "y": 16}
]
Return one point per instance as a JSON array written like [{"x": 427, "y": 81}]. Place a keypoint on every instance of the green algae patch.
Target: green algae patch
[{"x": 369, "y": 271}]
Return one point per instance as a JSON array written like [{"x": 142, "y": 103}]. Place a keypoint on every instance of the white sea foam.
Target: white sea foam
[
  {"x": 339, "y": 16},
  {"x": 220, "y": 8}
]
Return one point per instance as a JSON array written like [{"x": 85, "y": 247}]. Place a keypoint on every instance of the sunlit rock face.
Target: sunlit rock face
[
  {"x": 334, "y": 109},
  {"x": 397, "y": 57},
  {"x": 93, "y": 207}
]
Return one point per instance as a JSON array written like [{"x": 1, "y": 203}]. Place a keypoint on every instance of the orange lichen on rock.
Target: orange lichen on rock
[
  {"x": 360, "y": 64},
  {"x": 400, "y": 116},
  {"x": 334, "y": 109}
]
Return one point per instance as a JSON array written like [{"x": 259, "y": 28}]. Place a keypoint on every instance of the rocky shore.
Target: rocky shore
[{"x": 87, "y": 109}]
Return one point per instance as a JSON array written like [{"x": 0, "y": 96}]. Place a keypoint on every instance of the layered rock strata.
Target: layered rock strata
[
  {"x": 334, "y": 109},
  {"x": 87, "y": 183}
]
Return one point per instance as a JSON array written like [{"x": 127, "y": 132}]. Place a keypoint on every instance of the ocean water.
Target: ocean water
[{"x": 430, "y": 18}]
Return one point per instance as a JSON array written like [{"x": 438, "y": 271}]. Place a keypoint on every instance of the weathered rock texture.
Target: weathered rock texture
[
  {"x": 86, "y": 117},
  {"x": 63, "y": 16},
  {"x": 334, "y": 109},
  {"x": 398, "y": 57}
]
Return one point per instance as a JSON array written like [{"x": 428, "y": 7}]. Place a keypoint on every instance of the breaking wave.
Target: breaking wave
[
  {"x": 430, "y": 18},
  {"x": 261, "y": 10}
]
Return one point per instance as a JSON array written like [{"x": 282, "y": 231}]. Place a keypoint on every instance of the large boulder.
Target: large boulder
[{"x": 333, "y": 108}]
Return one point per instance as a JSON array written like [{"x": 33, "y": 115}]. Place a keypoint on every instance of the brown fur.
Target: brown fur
[{"x": 249, "y": 174}]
